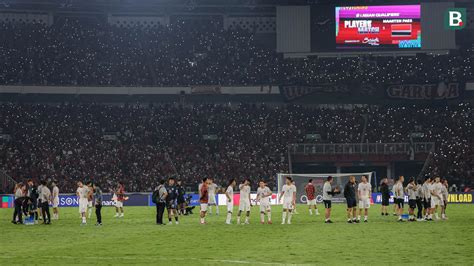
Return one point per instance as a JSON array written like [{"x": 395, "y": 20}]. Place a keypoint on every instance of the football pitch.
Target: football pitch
[{"x": 135, "y": 239}]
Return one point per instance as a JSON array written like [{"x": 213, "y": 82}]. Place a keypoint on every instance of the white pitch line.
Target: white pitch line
[{"x": 157, "y": 258}]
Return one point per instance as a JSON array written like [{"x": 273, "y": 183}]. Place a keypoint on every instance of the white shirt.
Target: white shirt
[
  {"x": 364, "y": 189},
  {"x": 398, "y": 189},
  {"x": 45, "y": 194},
  {"x": 262, "y": 195},
  {"x": 83, "y": 192},
  {"x": 230, "y": 192},
  {"x": 288, "y": 192},
  {"x": 212, "y": 189},
  {"x": 436, "y": 189},
  {"x": 18, "y": 193},
  {"x": 244, "y": 192},
  {"x": 55, "y": 192}
]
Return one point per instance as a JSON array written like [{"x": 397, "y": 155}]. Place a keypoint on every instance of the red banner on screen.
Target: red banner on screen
[{"x": 378, "y": 27}]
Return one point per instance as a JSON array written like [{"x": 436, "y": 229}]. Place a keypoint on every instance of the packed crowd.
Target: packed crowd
[
  {"x": 84, "y": 52},
  {"x": 140, "y": 144}
]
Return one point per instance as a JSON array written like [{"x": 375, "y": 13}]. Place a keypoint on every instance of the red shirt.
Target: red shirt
[
  {"x": 204, "y": 194},
  {"x": 121, "y": 193},
  {"x": 310, "y": 190}
]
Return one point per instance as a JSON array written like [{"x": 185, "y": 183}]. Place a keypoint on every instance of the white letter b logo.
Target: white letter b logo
[{"x": 455, "y": 19}]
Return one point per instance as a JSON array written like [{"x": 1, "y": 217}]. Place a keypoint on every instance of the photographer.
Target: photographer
[{"x": 159, "y": 198}]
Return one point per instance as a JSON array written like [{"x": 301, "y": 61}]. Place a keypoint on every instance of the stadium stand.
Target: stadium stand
[{"x": 137, "y": 144}]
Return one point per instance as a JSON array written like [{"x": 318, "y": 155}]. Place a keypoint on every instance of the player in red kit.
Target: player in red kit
[
  {"x": 311, "y": 197},
  {"x": 120, "y": 193},
  {"x": 203, "y": 199}
]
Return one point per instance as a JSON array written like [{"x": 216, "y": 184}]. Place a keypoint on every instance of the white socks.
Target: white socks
[
  {"x": 310, "y": 212},
  {"x": 229, "y": 216},
  {"x": 283, "y": 217},
  {"x": 262, "y": 217}
]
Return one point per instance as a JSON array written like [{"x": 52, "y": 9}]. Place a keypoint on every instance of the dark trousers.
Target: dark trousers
[
  {"x": 45, "y": 211},
  {"x": 160, "y": 209},
  {"x": 98, "y": 214},
  {"x": 419, "y": 206},
  {"x": 17, "y": 213}
]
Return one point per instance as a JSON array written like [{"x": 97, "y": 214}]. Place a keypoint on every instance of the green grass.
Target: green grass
[{"x": 135, "y": 239}]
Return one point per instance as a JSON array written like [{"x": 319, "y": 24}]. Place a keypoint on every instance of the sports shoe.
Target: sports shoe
[
  {"x": 246, "y": 223},
  {"x": 116, "y": 215},
  {"x": 228, "y": 223},
  {"x": 121, "y": 215},
  {"x": 282, "y": 222},
  {"x": 349, "y": 221},
  {"x": 177, "y": 222},
  {"x": 366, "y": 221},
  {"x": 262, "y": 222},
  {"x": 357, "y": 221},
  {"x": 328, "y": 222},
  {"x": 400, "y": 220},
  {"x": 170, "y": 222},
  {"x": 269, "y": 222},
  {"x": 98, "y": 224}
]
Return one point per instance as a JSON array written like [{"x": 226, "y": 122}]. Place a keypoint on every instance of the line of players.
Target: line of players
[
  {"x": 207, "y": 199},
  {"x": 428, "y": 197},
  {"x": 425, "y": 196}
]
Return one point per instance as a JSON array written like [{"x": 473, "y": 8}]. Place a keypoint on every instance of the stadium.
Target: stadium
[{"x": 228, "y": 132}]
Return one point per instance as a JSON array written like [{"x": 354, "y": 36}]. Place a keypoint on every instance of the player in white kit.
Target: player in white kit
[
  {"x": 90, "y": 198},
  {"x": 436, "y": 196},
  {"x": 212, "y": 188},
  {"x": 263, "y": 195},
  {"x": 288, "y": 195},
  {"x": 82, "y": 194},
  {"x": 55, "y": 199},
  {"x": 229, "y": 193},
  {"x": 364, "y": 191},
  {"x": 244, "y": 203}
]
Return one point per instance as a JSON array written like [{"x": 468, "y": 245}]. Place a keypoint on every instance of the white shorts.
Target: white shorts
[
  {"x": 312, "y": 202},
  {"x": 230, "y": 206},
  {"x": 83, "y": 205},
  {"x": 364, "y": 203},
  {"x": 265, "y": 207},
  {"x": 244, "y": 206},
  {"x": 119, "y": 204},
  {"x": 204, "y": 207},
  {"x": 55, "y": 202},
  {"x": 435, "y": 202},
  {"x": 288, "y": 205},
  {"x": 89, "y": 204},
  {"x": 212, "y": 199}
]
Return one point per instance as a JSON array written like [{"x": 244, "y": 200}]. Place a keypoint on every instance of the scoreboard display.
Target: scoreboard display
[{"x": 378, "y": 27}]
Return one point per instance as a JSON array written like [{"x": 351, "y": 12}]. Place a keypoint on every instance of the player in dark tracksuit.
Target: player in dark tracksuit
[
  {"x": 181, "y": 199},
  {"x": 385, "y": 196},
  {"x": 350, "y": 195},
  {"x": 172, "y": 201}
]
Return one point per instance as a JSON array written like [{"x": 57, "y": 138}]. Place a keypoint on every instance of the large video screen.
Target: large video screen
[{"x": 378, "y": 27}]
